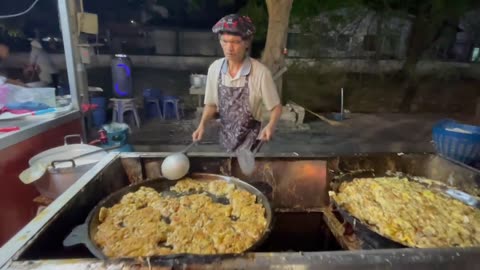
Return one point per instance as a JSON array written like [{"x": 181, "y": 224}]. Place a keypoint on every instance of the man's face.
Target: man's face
[
  {"x": 234, "y": 47},
  {"x": 4, "y": 51}
]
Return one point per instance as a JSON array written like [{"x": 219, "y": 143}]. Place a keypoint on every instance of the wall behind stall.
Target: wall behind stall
[
  {"x": 171, "y": 82},
  {"x": 370, "y": 85}
]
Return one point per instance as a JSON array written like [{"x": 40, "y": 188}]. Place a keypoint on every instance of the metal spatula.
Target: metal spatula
[{"x": 246, "y": 158}]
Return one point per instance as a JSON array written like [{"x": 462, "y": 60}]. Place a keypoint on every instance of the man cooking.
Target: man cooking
[
  {"x": 41, "y": 61},
  {"x": 237, "y": 86},
  {"x": 4, "y": 53}
]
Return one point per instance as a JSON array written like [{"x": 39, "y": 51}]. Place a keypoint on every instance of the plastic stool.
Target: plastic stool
[
  {"x": 152, "y": 93},
  {"x": 182, "y": 109},
  {"x": 150, "y": 99},
  {"x": 121, "y": 106},
  {"x": 156, "y": 103},
  {"x": 175, "y": 104}
]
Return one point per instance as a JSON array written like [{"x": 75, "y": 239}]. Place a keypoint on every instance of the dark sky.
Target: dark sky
[
  {"x": 15, "y": 6},
  {"x": 118, "y": 10},
  {"x": 45, "y": 17}
]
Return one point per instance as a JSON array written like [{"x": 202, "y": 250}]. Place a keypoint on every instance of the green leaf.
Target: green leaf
[{"x": 257, "y": 11}]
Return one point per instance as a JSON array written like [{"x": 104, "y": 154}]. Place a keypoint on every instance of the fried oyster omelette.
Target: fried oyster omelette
[
  {"x": 409, "y": 213},
  {"x": 145, "y": 223}
]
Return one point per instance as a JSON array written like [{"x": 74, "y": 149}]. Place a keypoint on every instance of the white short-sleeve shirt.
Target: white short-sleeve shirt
[
  {"x": 262, "y": 87},
  {"x": 43, "y": 60}
]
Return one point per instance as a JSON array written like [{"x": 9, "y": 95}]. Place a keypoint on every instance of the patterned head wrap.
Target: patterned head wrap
[{"x": 236, "y": 25}]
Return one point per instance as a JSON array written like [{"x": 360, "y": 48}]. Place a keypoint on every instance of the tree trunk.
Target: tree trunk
[
  {"x": 278, "y": 20},
  {"x": 417, "y": 44},
  {"x": 379, "y": 36},
  {"x": 421, "y": 38}
]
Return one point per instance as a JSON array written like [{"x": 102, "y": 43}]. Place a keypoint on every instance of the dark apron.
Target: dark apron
[{"x": 238, "y": 127}]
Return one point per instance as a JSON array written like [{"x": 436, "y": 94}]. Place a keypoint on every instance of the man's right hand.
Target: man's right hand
[
  {"x": 208, "y": 112},
  {"x": 198, "y": 134}
]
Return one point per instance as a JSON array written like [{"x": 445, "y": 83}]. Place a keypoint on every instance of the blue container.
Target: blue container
[
  {"x": 457, "y": 141},
  {"x": 122, "y": 76},
  {"x": 117, "y": 134},
  {"x": 117, "y": 137},
  {"x": 99, "y": 115}
]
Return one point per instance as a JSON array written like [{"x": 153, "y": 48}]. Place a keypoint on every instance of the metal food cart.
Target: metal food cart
[{"x": 307, "y": 233}]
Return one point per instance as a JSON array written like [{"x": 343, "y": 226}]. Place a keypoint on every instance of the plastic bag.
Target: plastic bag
[
  {"x": 17, "y": 94},
  {"x": 116, "y": 127}
]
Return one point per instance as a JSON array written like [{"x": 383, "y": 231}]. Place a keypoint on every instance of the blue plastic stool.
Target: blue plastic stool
[
  {"x": 171, "y": 107},
  {"x": 152, "y": 108},
  {"x": 152, "y": 100}
]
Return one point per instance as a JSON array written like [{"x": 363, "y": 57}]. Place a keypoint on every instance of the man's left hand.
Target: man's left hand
[{"x": 267, "y": 133}]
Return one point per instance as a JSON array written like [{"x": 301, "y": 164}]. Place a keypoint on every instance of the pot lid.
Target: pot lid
[{"x": 68, "y": 152}]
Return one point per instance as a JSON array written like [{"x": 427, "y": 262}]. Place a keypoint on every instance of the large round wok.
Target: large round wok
[
  {"x": 83, "y": 234},
  {"x": 370, "y": 238}
]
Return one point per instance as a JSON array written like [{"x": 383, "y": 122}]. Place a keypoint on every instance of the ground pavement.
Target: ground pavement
[{"x": 361, "y": 133}]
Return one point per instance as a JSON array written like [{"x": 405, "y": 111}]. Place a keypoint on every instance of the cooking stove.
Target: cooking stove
[{"x": 306, "y": 231}]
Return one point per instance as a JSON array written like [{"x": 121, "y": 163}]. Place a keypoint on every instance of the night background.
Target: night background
[
  {"x": 375, "y": 87},
  {"x": 343, "y": 42},
  {"x": 180, "y": 13}
]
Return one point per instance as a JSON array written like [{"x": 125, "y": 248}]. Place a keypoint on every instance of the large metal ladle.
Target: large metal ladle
[{"x": 176, "y": 165}]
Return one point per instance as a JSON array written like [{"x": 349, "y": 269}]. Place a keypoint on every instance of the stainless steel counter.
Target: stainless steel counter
[
  {"x": 411, "y": 259},
  {"x": 33, "y": 125},
  {"x": 38, "y": 245}
]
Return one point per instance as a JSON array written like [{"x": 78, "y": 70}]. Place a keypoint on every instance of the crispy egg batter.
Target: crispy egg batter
[
  {"x": 409, "y": 213},
  {"x": 145, "y": 223}
]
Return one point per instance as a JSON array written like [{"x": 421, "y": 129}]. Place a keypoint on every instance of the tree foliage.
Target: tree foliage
[
  {"x": 257, "y": 11},
  {"x": 434, "y": 11},
  {"x": 22, "y": 26}
]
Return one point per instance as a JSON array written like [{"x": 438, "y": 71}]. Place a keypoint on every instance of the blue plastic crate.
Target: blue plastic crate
[{"x": 457, "y": 141}]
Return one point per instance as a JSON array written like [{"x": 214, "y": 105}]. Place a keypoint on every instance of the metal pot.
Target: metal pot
[
  {"x": 198, "y": 80},
  {"x": 61, "y": 175}
]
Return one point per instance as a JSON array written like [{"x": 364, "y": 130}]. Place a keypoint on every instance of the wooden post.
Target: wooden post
[{"x": 77, "y": 75}]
